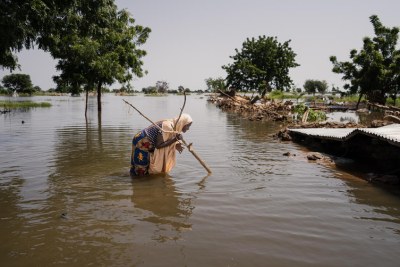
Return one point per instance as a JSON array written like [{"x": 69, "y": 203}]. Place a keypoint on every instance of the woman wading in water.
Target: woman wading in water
[{"x": 153, "y": 149}]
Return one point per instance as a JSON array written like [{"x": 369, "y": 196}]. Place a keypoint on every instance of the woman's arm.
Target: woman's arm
[{"x": 160, "y": 143}]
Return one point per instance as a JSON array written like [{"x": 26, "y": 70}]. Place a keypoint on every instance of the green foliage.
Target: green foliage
[
  {"x": 300, "y": 109},
  {"x": 313, "y": 115},
  {"x": 152, "y": 90},
  {"x": 99, "y": 47},
  {"x": 26, "y": 23},
  {"x": 314, "y": 86},
  {"x": 263, "y": 64},
  {"x": 393, "y": 102},
  {"x": 276, "y": 94},
  {"x": 3, "y": 91},
  {"x": 37, "y": 89},
  {"x": 17, "y": 28},
  {"x": 215, "y": 84},
  {"x": 94, "y": 43},
  {"x": 348, "y": 99},
  {"x": 162, "y": 87},
  {"x": 23, "y": 104},
  {"x": 373, "y": 71},
  {"x": 19, "y": 83},
  {"x": 316, "y": 115}
]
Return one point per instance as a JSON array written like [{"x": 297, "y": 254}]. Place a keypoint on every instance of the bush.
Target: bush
[{"x": 313, "y": 115}]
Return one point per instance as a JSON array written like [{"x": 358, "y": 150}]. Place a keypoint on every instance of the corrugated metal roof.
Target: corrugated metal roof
[{"x": 389, "y": 133}]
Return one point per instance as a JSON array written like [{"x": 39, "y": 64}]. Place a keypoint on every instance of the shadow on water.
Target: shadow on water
[{"x": 160, "y": 204}]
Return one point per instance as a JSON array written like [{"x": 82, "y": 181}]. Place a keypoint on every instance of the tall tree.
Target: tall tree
[
  {"x": 262, "y": 64},
  {"x": 373, "y": 71},
  {"x": 162, "y": 87},
  {"x": 99, "y": 47},
  {"x": 19, "y": 83},
  {"x": 310, "y": 86},
  {"x": 215, "y": 84},
  {"x": 314, "y": 86}
]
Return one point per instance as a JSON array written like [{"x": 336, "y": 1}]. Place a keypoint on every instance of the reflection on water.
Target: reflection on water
[
  {"x": 364, "y": 118},
  {"x": 67, "y": 198},
  {"x": 86, "y": 151},
  {"x": 162, "y": 205}
]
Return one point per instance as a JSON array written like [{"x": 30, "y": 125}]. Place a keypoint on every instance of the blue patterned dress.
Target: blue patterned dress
[{"x": 143, "y": 143}]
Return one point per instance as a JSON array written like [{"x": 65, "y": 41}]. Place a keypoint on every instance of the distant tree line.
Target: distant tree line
[{"x": 162, "y": 87}]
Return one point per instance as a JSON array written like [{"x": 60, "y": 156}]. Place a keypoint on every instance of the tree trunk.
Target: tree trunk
[
  {"x": 86, "y": 103},
  {"x": 359, "y": 100},
  {"x": 255, "y": 99},
  {"x": 377, "y": 96},
  {"x": 263, "y": 93},
  {"x": 99, "y": 97}
]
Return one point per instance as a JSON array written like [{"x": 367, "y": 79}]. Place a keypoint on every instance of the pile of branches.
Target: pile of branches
[{"x": 261, "y": 110}]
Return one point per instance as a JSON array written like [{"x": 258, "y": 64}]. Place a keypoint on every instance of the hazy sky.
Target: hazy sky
[{"x": 191, "y": 40}]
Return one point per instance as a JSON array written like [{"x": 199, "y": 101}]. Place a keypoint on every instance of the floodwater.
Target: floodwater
[{"x": 66, "y": 198}]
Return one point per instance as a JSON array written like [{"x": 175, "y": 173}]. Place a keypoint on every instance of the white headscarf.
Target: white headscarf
[
  {"x": 169, "y": 128},
  {"x": 163, "y": 160},
  {"x": 184, "y": 120}
]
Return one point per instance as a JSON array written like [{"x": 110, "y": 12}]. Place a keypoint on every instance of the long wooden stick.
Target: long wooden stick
[
  {"x": 189, "y": 147},
  {"x": 143, "y": 115},
  {"x": 180, "y": 114}
]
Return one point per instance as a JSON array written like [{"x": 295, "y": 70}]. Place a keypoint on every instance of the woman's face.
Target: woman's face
[{"x": 186, "y": 127}]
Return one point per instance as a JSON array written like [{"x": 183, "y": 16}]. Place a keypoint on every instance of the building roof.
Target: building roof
[{"x": 389, "y": 133}]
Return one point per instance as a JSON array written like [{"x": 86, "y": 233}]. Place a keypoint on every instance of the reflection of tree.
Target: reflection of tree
[
  {"x": 162, "y": 205},
  {"x": 367, "y": 118},
  {"x": 381, "y": 200},
  {"x": 87, "y": 151},
  {"x": 12, "y": 223},
  {"x": 254, "y": 131}
]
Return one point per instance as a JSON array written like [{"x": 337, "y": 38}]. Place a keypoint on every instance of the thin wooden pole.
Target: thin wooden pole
[
  {"x": 189, "y": 147},
  {"x": 180, "y": 114}
]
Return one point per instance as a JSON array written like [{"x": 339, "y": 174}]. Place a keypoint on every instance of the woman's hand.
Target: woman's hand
[
  {"x": 179, "y": 147},
  {"x": 160, "y": 143}
]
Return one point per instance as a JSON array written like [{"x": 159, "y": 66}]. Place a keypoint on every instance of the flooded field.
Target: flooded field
[{"x": 66, "y": 197}]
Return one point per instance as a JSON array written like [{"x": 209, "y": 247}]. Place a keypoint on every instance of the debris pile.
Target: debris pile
[{"x": 261, "y": 110}]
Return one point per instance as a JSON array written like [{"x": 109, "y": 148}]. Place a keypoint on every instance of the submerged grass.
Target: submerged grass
[{"x": 23, "y": 104}]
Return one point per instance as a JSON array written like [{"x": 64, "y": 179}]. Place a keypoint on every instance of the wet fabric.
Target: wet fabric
[
  {"x": 145, "y": 158},
  {"x": 143, "y": 143},
  {"x": 163, "y": 160}
]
